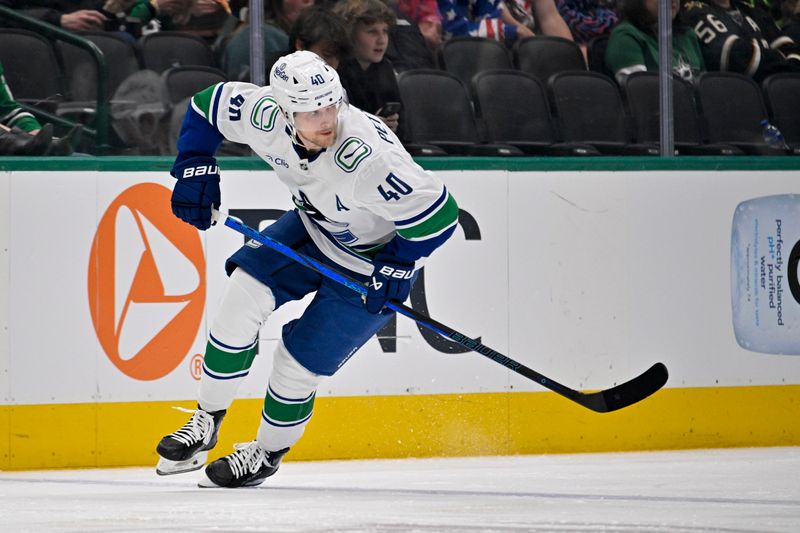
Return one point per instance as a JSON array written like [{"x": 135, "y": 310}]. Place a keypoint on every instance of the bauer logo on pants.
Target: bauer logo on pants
[{"x": 146, "y": 283}]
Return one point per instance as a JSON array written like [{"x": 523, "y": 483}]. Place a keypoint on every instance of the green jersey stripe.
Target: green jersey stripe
[
  {"x": 434, "y": 224},
  {"x": 201, "y": 102},
  {"x": 280, "y": 410}
]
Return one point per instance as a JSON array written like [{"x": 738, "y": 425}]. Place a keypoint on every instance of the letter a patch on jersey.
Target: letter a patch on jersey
[
  {"x": 352, "y": 152},
  {"x": 339, "y": 205}
]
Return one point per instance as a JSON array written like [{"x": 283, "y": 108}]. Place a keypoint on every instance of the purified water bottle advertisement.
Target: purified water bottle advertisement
[{"x": 765, "y": 293}]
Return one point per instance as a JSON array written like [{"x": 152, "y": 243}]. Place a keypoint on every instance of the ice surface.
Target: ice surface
[{"x": 739, "y": 490}]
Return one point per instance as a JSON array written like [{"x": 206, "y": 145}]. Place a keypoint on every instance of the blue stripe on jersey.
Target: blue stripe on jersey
[
  {"x": 215, "y": 105},
  {"x": 410, "y": 251},
  {"x": 439, "y": 201},
  {"x": 232, "y": 348},
  {"x": 197, "y": 136}
]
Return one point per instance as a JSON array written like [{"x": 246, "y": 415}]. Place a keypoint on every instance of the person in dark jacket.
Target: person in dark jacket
[
  {"x": 367, "y": 76},
  {"x": 743, "y": 39}
]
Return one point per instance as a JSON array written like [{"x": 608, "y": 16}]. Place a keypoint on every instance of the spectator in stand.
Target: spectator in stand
[
  {"x": 425, "y": 14},
  {"x": 541, "y": 16},
  {"x": 126, "y": 16},
  {"x": 318, "y": 30},
  {"x": 790, "y": 24},
  {"x": 481, "y": 18},
  {"x": 410, "y": 48},
  {"x": 633, "y": 46},
  {"x": 588, "y": 19},
  {"x": 203, "y": 18},
  {"x": 367, "y": 76},
  {"x": 279, "y": 18},
  {"x": 738, "y": 38},
  {"x": 283, "y": 13},
  {"x": 72, "y": 15},
  {"x": 502, "y": 21}
]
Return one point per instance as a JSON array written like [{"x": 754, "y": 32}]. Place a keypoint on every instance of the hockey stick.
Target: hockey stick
[{"x": 603, "y": 401}]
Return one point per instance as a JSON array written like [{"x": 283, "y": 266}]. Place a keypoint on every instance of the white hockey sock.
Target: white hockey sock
[
  {"x": 289, "y": 402},
  {"x": 233, "y": 339}
]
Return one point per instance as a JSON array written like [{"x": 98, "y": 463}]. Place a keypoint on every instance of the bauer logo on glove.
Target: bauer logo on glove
[
  {"x": 200, "y": 171},
  {"x": 196, "y": 191},
  {"x": 391, "y": 280}
]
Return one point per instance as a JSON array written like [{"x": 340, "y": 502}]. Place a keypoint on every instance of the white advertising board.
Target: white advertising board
[{"x": 588, "y": 277}]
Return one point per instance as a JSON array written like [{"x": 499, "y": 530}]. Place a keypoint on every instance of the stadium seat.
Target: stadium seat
[
  {"x": 437, "y": 111},
  {"x": 514, "y": 109},
  {"x": 732, "y": 108},
  {"x": 165, "y": 49},
  {"x": 81, "y": 71},
  {"x": 589, "y": 110},
  {"x": 781, "y": 92},
  {"x": 642, "y": 95},
  {"x": 466, "y": 56},
  {"x": 545, "y": 55},
  {"x": 183, "y": 82},
  {"x": 34, "y": 75}
]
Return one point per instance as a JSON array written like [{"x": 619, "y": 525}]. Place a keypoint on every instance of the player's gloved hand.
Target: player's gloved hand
[
  {"x": 391, "y": 280},
  {"x": 196, "y": 190}
]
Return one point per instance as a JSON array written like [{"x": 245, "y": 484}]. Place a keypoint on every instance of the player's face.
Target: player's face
[
  {"x": 370, "y": 42},
  {"x": 317, "y": 129}
]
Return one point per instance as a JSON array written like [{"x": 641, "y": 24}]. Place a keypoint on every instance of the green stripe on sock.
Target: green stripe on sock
[
  {"x": 222, "y": 362},
  {"x": 281, "y": 411},
  {"x": 445, "y": 216}
]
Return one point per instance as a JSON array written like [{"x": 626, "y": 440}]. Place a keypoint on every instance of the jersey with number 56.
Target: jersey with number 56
[
  {"x": 362, "y": 195},
  {"x": 740, "y": 39}
]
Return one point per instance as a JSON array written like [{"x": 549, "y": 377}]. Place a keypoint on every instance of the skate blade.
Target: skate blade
[{"x": 165, "y": 467}]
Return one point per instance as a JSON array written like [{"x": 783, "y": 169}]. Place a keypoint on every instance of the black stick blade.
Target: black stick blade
[{"x": 627, "y": 393}]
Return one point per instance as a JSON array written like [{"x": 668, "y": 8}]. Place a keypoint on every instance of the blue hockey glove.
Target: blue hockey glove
[
  {"x": 196, "y": 190},
  {"x": 391, "y": 280}
]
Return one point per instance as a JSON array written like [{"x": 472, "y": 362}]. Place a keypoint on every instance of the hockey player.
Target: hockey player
[
  {"x": 362, "y": 206},
  {"x": 738, "y": 38}
]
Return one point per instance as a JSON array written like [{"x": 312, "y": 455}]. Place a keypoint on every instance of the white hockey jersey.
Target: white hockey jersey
[{"x": 354, "y": 197}]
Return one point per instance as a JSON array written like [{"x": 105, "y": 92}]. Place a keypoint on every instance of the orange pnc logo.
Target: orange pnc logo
[{"x": 147, "y": 284}]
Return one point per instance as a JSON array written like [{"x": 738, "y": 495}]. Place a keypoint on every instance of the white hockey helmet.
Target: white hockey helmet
[{"x": 302, "y": 81}]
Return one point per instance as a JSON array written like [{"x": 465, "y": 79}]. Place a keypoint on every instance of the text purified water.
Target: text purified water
[{"x": 765, "y": 293}]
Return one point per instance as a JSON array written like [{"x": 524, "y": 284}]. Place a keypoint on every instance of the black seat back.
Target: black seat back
[
  {"x": 781, "y": 92},
  {"x": 183, "y": 82},
  {"x": 466, "y": 56},
  {"x": 81, "y": 70},
  {"x": 641, "y": 91},
  {"x": 545, "y": 55},
  {"x": 165, "y": 49},
  {"x": 513, "y": 106},
  {"x": 31, "y": 67},
  {"x": 436, "y": 107},
  {"x": 589, "y": 108},
  {"x": 731, "y": 106}
]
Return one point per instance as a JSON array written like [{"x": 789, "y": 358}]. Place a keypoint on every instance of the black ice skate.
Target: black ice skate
[
  {"x": 248, "y": 466},
  {"x": 187, "y": 449}
]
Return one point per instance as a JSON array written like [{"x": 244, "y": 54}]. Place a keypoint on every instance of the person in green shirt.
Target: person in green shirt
[{"x": 633, "y": 45}]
